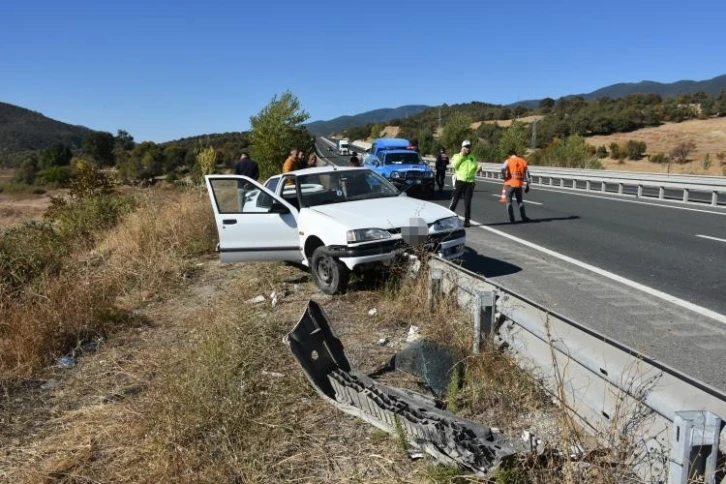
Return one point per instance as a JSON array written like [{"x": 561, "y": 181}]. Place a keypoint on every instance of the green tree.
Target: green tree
[
  {"x": 514, "y": 138},
  {"x": 426, "y": 144},
  {"x": 57, "y": 154},
  {"x": 546, "y": 105},
  {"x": 456, "y": 130},
  {"x": 277, "y": 129},
  {"x": 27, "y": 170},
  {"x": 375, "y": 131},
  {"x": 100, "y": 145}
]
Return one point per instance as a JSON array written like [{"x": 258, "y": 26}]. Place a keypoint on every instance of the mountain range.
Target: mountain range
[
  {"x": 24, "y": 130},
  {"x": 712, "y": 87}
]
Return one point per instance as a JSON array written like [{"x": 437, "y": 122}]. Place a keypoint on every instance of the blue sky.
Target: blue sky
[{"x": 166, "y": 70}]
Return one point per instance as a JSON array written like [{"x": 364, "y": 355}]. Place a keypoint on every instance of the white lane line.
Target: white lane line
[
  {"x": 614, "y": 198},
  {"x": 711, "y": 238},
  {"x": 622, "y": 280},
  {"x": 526, "y": 202}
]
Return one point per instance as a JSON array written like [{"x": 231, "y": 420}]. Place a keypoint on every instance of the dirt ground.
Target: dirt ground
[{"x": 20, "y": 207}]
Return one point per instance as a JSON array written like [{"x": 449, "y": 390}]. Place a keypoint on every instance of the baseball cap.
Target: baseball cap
[{"x": 466, "y": 142}]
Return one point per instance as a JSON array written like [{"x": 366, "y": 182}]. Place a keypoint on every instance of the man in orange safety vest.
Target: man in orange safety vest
[{"x": 516, "y": 174}]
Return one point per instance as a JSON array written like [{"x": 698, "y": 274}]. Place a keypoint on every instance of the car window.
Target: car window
[
  {"x": 344, "y": 186},
  {"x": 409, "y": 158},
  {"x": 233, "y": 199},
  {"x": 271, "y": 184}
]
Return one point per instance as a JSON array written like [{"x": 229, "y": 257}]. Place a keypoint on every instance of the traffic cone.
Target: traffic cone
[{"x": 503, "y": 197}]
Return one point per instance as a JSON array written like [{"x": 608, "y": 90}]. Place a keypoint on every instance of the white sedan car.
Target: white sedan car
[{"x": 333, "y": 220}]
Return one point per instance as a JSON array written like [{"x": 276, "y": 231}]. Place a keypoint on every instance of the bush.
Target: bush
[
  {"x": 26, "y": 252},
  {"x": 680, "y": 152},
  {"x": 56, "y": 175},
  {"x": 601, "y": 152},
  {"x": 707, "y": 162},
  {"x": 635, "y": 149},
  {"x": 659, "y": 158}
]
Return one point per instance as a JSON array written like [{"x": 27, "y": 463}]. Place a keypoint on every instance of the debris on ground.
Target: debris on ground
[
  {"x": 256, "y": 300},
  {"x": 450, "y": 439}
]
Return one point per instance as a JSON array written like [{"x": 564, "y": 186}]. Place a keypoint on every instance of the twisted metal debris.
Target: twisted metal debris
[{"x": 446, "y": 437}]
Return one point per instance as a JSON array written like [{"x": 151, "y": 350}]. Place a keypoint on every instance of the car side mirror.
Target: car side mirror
[
  {"x": 376, "y": 163},
  {"x": 277, "y": 207}
]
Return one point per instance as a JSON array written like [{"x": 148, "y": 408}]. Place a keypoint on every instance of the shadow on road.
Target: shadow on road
[
  {"x": 535, "y": 221},
  {"x": 486, "y": 266}
]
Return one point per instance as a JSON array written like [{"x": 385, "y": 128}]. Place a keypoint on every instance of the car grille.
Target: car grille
[{"x": 413, "y": 174}]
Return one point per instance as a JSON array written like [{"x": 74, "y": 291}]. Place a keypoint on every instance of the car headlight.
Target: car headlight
[
  {"x": 446, "y": 224},
  {"x": 367, "y": 235},
  {"x": 395, "y": 174},
  {"x": 428, "y": 174}
]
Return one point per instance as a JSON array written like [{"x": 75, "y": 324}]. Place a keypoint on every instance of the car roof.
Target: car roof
[
  {"x": 320, "y": 169},
  {"x": 399, "y": 151}
]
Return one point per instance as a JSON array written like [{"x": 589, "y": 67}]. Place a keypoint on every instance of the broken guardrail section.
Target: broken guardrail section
[{"x": 450, "y": 439}]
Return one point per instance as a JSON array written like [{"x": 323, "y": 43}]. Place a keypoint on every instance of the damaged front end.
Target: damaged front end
[{"x": 450, "y": 439}]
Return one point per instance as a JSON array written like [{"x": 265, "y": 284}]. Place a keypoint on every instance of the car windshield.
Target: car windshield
[
  {"x": 343, "y": 186},
  {"x": 410, "y": 158}
]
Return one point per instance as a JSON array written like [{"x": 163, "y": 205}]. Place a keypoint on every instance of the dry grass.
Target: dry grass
[
  {"x": 147, "y": 255},
  {"x": 197, "y": 386},
  {"x": 709, "y": 135}
]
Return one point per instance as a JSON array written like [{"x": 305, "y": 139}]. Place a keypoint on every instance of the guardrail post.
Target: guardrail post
[
  {"x": 661, "y": 193},
  {"x": 603, "y": 186},
  {"x": 562, "y": 182},
  {"x": 483, "y": 316},
  {"x": 714, "y": 198},
  {"x": 640, "y": 191},
  {"x": 436, "y": 279},
  {"x": 694, "y": 447},
  {"x": 685, "y": 194},
  {"x": 587, "y": 185},
  {"x": 620, "y": 188}
]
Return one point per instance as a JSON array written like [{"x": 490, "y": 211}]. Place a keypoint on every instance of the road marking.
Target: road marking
[
  {"x": 622, "y": 280},
  {"x": 526, "y": 202},
  {"x": 614, "y": 198},
  {"x": 711, "y": 238}
]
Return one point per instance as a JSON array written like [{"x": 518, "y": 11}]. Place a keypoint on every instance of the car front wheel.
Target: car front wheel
[{"x": 330, "y": 275}]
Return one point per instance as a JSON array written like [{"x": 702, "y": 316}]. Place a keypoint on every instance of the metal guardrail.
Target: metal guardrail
[
  {"x": 639, "y": 185},
  {"x": 608, "y": 386}
]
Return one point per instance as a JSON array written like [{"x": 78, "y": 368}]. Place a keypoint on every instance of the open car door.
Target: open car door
[{"x": 252, "y": 222}]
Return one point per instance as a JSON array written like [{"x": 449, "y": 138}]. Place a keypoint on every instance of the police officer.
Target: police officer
[
  {"x": 465, "y": 166},
  {"x": 442, "y": 161}
]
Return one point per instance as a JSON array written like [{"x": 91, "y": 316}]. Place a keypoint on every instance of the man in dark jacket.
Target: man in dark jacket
[
  {"x": 245, "y": 167},
  {"x": 442, "y": 161}
]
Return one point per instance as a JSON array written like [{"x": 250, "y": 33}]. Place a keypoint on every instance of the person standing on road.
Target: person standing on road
[
  {"x": 465, "y": 166},
  {"x": 516, "y": 174},
  {"x": 354, "y": 161},
  {"x": 442, "y": 161},
  {"x": 249, "y": 168}
]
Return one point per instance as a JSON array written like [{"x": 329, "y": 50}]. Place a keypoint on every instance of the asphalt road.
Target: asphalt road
[{"x": 676, "y": 251}]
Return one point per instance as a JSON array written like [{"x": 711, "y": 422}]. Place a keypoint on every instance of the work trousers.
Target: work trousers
[
  {"x": 466, "y": 190},
  {"x": 515, "y": 192}
]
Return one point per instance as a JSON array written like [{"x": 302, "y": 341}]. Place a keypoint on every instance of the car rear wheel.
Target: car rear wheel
[{"x": 330, "y": 275}]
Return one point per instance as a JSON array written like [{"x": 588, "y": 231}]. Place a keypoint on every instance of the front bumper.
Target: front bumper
[{"x": 447, "y": 245}]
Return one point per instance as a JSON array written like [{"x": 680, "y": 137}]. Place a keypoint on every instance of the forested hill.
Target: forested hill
[{"x": 25, "y": 130}]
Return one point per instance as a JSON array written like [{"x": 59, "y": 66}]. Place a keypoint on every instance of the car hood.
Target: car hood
[{"x": 384, "y": 213}]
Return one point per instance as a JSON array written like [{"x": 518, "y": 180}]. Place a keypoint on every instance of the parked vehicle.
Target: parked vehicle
[
  {"x": 333, "y": 220},
  {"x": 405, "y": 169}
]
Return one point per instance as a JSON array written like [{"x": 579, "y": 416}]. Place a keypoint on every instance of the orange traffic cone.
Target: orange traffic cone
[{"x": 503, "y": 197}]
